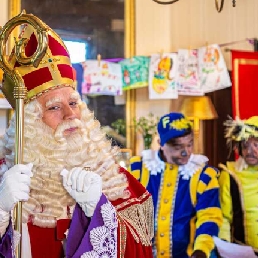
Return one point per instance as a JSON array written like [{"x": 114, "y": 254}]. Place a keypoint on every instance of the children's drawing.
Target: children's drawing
[{"x": 162, "y": 73}]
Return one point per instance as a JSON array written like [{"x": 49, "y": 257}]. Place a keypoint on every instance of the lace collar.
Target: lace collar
[
  {"x": 195, "y": 163},
  {"x": 155, "y": 165},
  {"x": 152, "y": 161}
]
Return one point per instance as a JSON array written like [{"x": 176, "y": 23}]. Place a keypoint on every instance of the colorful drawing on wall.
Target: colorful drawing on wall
[
  {"x": 188, "y": 81},
  {"x": 101, "y": 78},
  {"x": 162, "y": 76},
  {"x": 212, "y": 69},
  {"x": 135, "y": 72}
]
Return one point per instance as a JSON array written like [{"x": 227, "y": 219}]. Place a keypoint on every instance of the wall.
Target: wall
[
  {"x": 190, "y": 24},
  {"x": 185, "y": 24},
  {"x": 153, "y": 34},
  {"x": 3, "y": 12}
]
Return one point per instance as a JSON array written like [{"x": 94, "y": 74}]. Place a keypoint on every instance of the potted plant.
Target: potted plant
[{"x": 147, "y": 126}]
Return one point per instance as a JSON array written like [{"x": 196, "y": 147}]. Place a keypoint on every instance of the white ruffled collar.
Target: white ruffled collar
[
  {"x": 195, "y": 163},
  {"x": 155, "y": 165},
  {"x": 153, "y": 162}
]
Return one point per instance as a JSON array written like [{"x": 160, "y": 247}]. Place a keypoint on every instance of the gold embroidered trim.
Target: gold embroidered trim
[
  {"x": 123, "y": 236},
  {"x": 132, "y": 200},
  {"x": 139, "y": 219}
]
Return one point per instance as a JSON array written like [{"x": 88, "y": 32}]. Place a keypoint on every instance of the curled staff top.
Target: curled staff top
[{"x": 41, "y": 31}]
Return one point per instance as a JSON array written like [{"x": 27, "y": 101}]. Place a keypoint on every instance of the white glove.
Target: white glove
[
  {"x": 84, "y": 186},
  {"x": 15, "y": 186}
]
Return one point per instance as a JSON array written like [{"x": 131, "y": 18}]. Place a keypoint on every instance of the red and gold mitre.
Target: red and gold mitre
[{"x": 54, "y": 70}]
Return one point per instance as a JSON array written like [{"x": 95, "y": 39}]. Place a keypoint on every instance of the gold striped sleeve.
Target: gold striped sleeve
[
  {"x": 226, "y": 205},
  {"x": 133, "y": 168}
]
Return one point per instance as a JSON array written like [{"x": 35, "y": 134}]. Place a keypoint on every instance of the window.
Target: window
[{"x": 77, "y": 50}]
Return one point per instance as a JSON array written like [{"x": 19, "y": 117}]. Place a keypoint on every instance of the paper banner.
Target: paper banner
[
  {"x": 231, "y": 250},
  {"x": 102, "y": 78},
  {"x": 188, "y": 82},
  {"x": 162, "y": 76},
  {"x": 212, "y": 69},
  {"x": 135, "y": 72}
]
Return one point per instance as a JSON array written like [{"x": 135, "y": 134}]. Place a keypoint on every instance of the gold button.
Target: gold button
[
  {"x": 168, "y": 184},
  {"x": 165, "y": 200},
  {"x": 170, "y": 167},
  {"x": 161, "y": 234},
  {"x": 163, "y": 217},
  {"x": 162, "y": 252}
]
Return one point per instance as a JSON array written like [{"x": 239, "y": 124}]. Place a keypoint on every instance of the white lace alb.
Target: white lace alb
[{"x": 104, "y": 238}]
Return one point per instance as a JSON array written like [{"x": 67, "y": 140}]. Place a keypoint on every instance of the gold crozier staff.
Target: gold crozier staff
[{"x": 19, "y": 91}]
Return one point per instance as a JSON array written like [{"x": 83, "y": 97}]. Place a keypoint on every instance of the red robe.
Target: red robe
[
  {"x": 134, "y": 238},
  {"x": 139, "y": 196}
]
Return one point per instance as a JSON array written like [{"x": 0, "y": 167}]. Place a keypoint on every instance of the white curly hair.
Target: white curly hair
[{"x": 51, "y": 152}]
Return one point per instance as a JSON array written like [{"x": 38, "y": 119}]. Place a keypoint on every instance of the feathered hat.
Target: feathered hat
[
  {"x": 241, "y": 130},
  {"x": 171, "y": 126},
  {"x": 54, "y": 69}
]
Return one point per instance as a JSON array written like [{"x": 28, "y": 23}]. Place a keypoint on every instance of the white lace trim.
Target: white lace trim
[
  {"x": 16, "y": 238},
  {"x": 195, "y": 163},
  {"x": 155, "y": 165},
  {"x": 104, "y": 238},
  {"x": 152, "y": 162},
  {"x": 240, "y": 164}
]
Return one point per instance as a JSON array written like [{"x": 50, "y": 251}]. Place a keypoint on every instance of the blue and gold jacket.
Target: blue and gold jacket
[{"x": 186, "y": 203}]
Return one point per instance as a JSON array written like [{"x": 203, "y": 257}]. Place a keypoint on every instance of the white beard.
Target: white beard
[{"x": 51, "y": 151}]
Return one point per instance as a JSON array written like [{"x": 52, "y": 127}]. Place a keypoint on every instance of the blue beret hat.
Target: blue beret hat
[{"x": 172, "y": 125}]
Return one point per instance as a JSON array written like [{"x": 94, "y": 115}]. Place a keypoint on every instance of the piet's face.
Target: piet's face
[
  {"x": 60, "y": 105},
  {"x": 179, "y": 152},
  {"x": 250, "y": 151}
]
